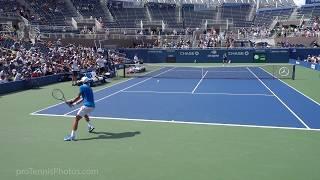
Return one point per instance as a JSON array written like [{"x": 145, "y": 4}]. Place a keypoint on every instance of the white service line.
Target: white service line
[
  {"x": 292, "y": 88},
  {"x": 159, "y": 92},
  {"x": 199, "y": 82},
  {"x": 220, "y": 71},
  {"x": 198, "y": 93},
  {"x": 210, "y": 71},
  {"x": 123, "y": 89},
  {"x": 292, "y": 112},
  {"x": 234, "y": 94},
  {"x": 187, "y": 70}
]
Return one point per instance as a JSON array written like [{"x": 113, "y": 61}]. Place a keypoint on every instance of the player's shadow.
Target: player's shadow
[{"x": 109, "y": 135}]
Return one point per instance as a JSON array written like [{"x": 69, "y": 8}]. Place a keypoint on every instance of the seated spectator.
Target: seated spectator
[
  {"x": 317, "y": 59},
  {"x": 308, "y": 58},
  {"x": 3, "y": 79},
  {"x": 313, "y": 59}
]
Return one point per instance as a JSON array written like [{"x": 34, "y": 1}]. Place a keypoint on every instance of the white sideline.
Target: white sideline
[
  {"x": 292, "y": 112},
  {"x": 293, "y": 88}
]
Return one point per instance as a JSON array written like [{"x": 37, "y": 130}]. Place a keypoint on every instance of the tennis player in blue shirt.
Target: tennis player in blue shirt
[{"x": 85, "y": 96}]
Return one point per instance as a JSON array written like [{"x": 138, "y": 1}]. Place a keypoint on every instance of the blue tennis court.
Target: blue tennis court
[{"x": 238, "y": 96}]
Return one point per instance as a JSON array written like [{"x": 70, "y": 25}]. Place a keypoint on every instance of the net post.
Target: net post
[
  {"x": 274, "y": 75},
  {"x": 294, "y": 72},
  {"x": 202, "y": 72},
  {"x": 124, "y": 70}
]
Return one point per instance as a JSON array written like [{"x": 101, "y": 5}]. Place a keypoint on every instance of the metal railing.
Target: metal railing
[{"x": 110, "y": 36}]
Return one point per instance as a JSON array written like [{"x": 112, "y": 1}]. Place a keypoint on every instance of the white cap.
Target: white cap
[{"x": 84, "y": 79}]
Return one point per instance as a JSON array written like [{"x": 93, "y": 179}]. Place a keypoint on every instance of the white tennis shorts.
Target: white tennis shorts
[{"x": 84, "y": 110}]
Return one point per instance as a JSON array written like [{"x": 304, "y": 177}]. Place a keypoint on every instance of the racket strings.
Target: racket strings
[{"x": 58, "y": 94}]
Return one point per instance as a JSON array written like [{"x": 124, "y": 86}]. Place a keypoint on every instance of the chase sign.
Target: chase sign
[
  {"x": 189, "y": 53},
  {"x": 238, "y": 53}
]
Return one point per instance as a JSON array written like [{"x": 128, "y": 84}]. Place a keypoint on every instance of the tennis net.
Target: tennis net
[{"x": 265, "y": 71}]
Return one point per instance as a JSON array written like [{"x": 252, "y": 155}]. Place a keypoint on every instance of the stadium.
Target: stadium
[{"x": 160, "y": 89}]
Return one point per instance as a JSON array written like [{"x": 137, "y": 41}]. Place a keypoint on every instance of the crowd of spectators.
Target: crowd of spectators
[
  {"x": 210, "y": 38},
  {"x": 179, "y": 43},
  {"x": 87, "y": 30},
  {"x": 313, "y": 59},
  {"x": 259, "y": 32},
  {"x": 23, "y": 64},
  {"x": 286, "y": 44},
  {"x": 310, "y": 29}
]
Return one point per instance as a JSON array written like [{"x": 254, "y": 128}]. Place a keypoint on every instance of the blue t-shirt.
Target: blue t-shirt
[{"x": 87, "y": 95}]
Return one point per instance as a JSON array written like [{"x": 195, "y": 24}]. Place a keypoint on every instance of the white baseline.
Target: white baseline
[{"x": 184, "y": 122}]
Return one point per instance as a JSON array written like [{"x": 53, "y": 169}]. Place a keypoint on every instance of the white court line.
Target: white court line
[
  {"x": 234, "y": 94},
  {"x": 197, "y": 93},
  {"x": 292, "y": 88},
  {"x": 33, "y": 113},
  {"x": 184, "y": 122},
  {"x": 210, "y": 71},
  {"x": 292, "y": 112},
  {"x": 228, "y": 71},
  {"x": 123, "y": 89},
  {"x": 93, "y": 91},
  {"x": 212, "y": 65},
  {"x": 159, "y": 92},
  {"x": 188, "y": 70},
  {"x": 199, "y": 82}
]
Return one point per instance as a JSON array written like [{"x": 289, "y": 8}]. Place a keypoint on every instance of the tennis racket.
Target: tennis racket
[{"x": 59, "y": 95}]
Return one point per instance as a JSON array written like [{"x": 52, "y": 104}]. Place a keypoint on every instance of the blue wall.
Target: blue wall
[
  {"x": 302, "y": 53},
  {"x": 28, "y": 84},
  {"x": 305, "y": 64},
  {"x": 238, "y": 55}
]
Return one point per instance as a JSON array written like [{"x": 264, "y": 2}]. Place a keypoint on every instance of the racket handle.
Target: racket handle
[{"x": 69, "y": 103}]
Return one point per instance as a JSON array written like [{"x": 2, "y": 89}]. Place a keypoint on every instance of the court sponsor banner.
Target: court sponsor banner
[
  {"x": 214, "y": 55},
  {"x": 259, "y": 58},
  {"x": 239, "y": 55},
  {"x": 191, "y": 56},
  {"x": 236, "y": 55}
]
